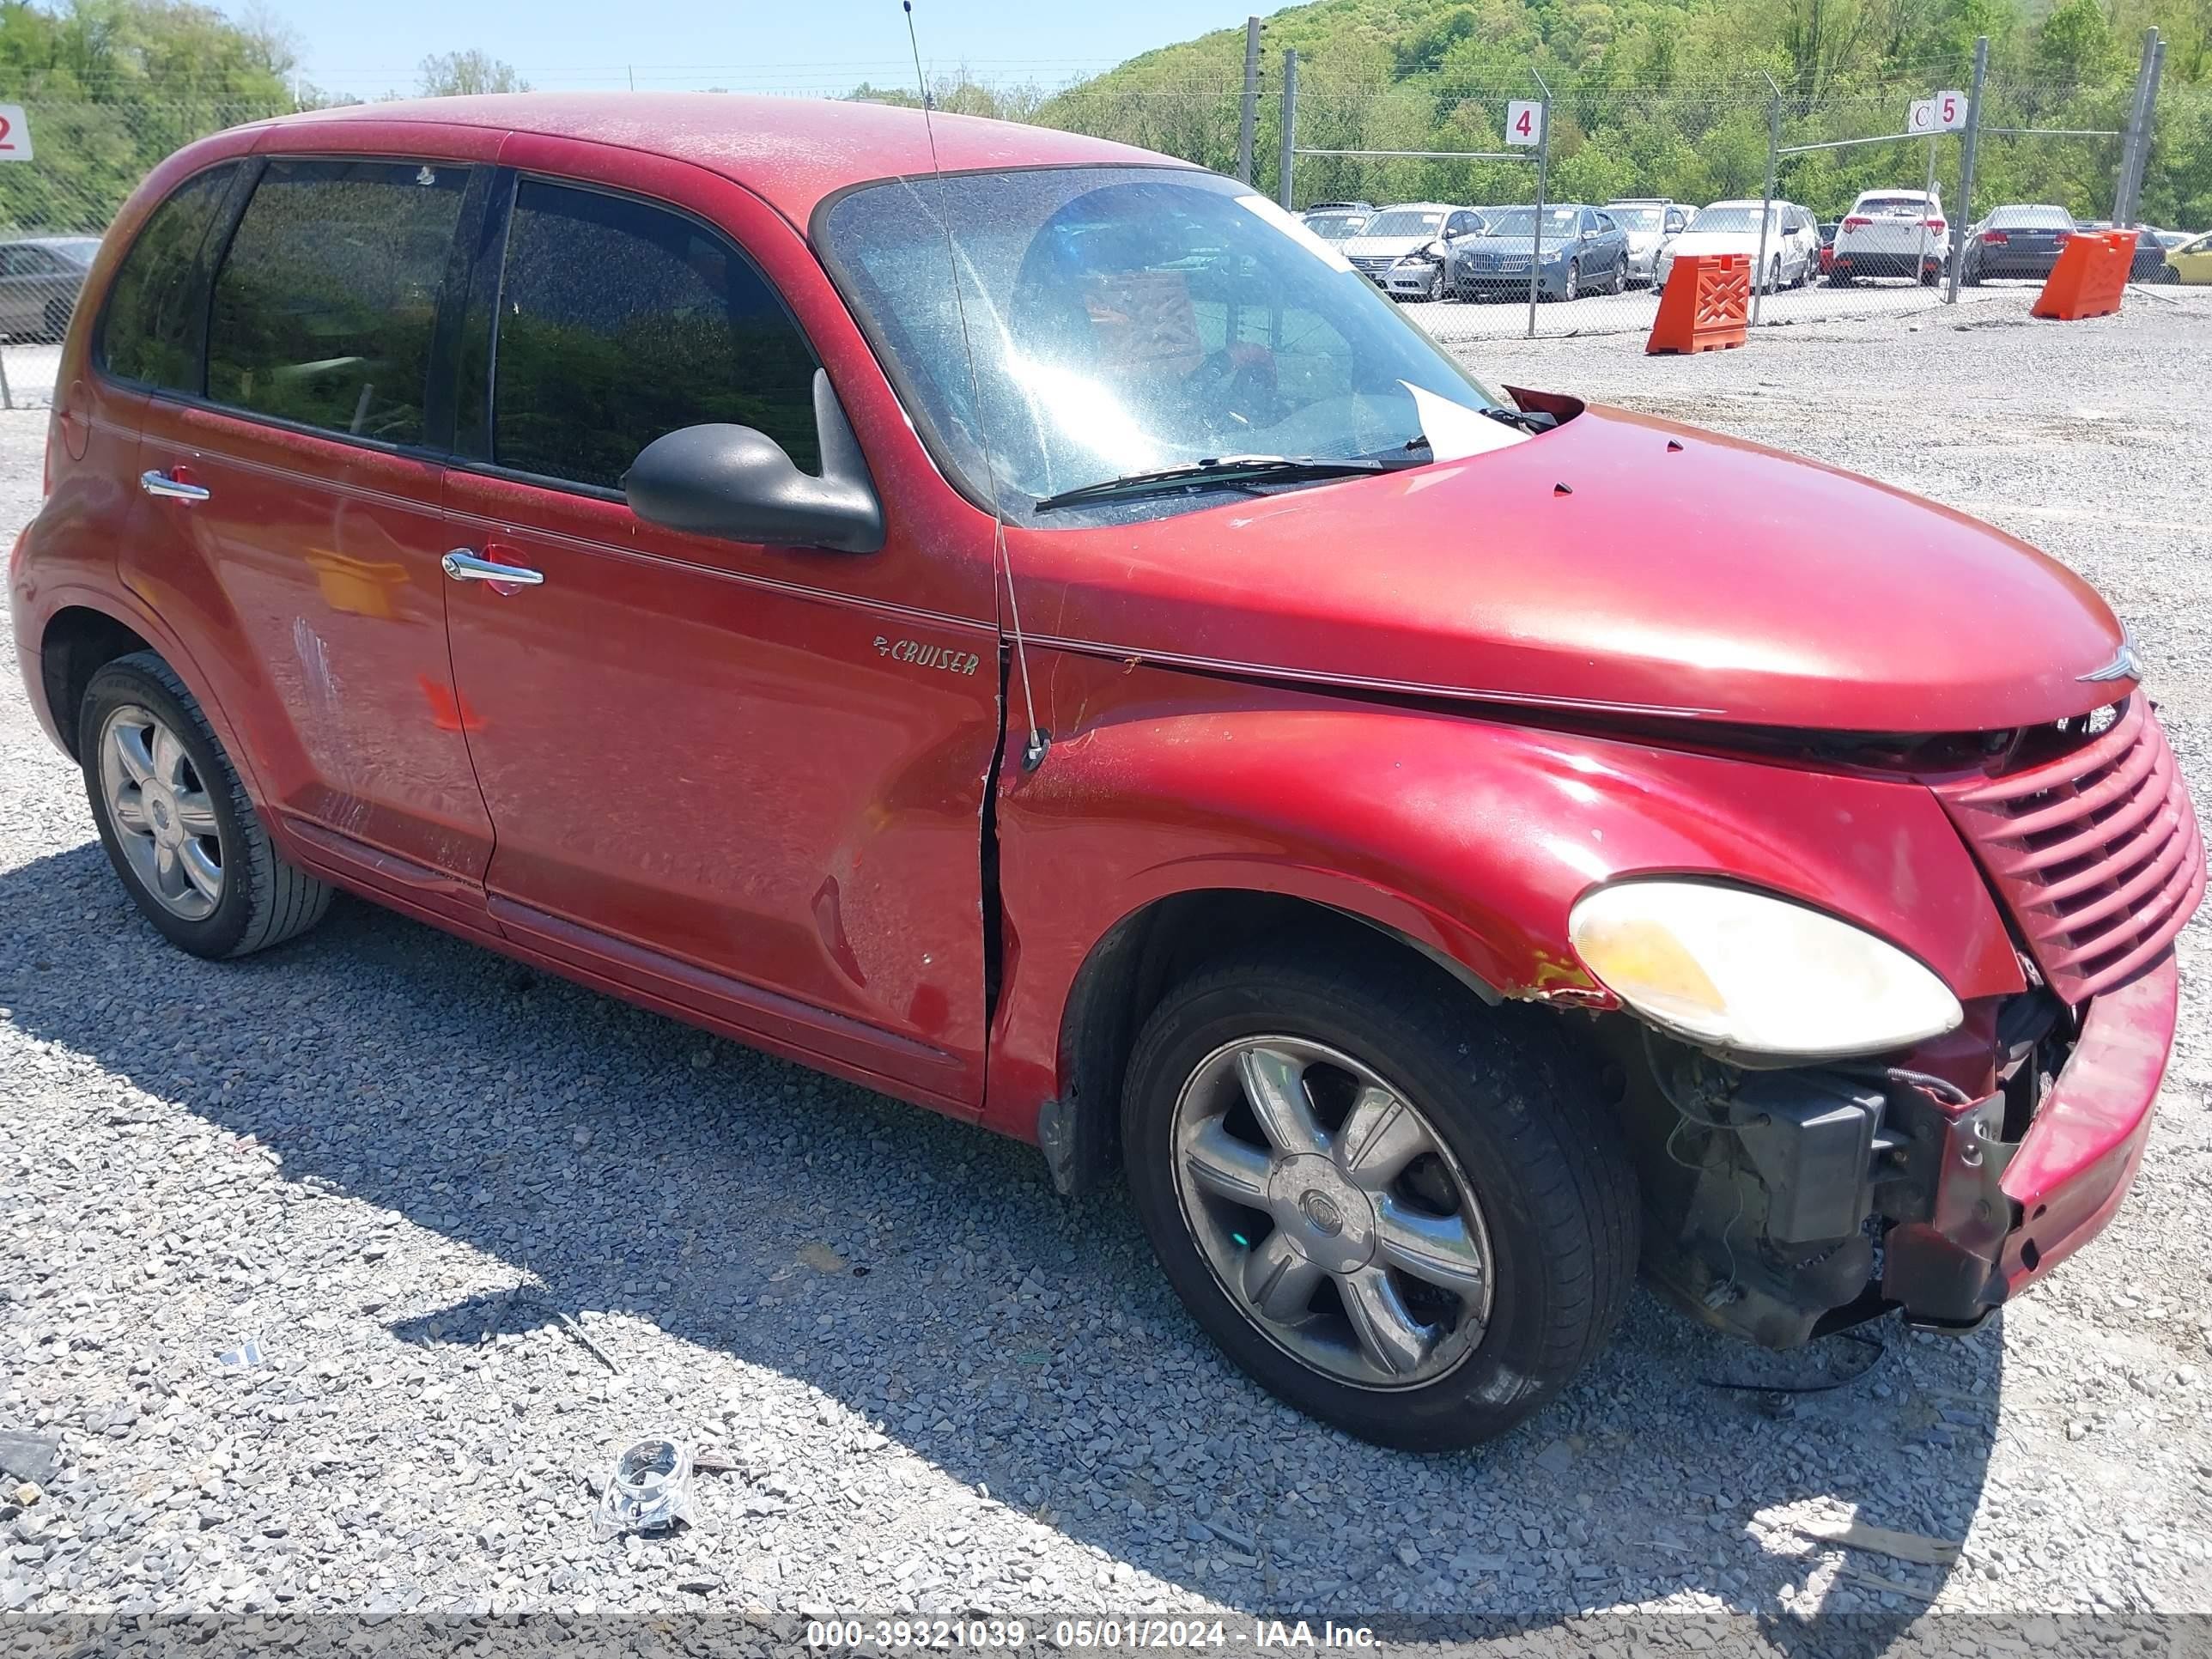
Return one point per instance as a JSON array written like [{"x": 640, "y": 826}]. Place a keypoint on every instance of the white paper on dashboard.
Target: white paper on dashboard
[{"x": 1454, "y": 431}]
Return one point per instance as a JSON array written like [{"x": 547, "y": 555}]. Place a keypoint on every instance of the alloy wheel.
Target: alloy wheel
[
  {"x": 1331, "y": 1212},
  {"x": 163, "y": 817}
]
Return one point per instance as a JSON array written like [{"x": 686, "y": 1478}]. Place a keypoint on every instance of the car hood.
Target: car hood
[
  {"x": 1520, "y": 245},
  {"x": 1619, "y": 563},
  {"x": 1723, "y": 242},
  {"x": 1374, "y": 246}
]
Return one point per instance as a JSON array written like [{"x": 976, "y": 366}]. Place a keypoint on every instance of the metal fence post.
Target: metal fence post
[
  {"x": 1766, "y": 200},
  {"x": 1543, "y": 178},
  {"x": 1248, "y": 118},
  {"x": 1290, "y": 125},
  {"x": 1964, "y": 213},
  {"x": 7, "y": 397}
]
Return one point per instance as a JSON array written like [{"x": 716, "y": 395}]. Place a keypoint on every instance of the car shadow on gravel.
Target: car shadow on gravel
[{"x": 925, "y": 1275}]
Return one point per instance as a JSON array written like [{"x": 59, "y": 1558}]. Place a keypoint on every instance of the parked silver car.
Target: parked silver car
[
  {"x": 40, "y": 277},
  {"x": 1651, "y": 222},
  {"x": 1401, "y": 249}
]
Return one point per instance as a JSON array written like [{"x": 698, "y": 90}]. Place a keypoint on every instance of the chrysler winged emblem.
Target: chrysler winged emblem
[{"x": 2125, "y": 666}]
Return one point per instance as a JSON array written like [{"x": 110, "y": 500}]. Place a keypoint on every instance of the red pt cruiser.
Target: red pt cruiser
[{"x": 1017, "y": 623}]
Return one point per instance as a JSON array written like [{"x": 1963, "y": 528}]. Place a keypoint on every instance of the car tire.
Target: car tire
[
  {"x": 56, "y": 319},
  {"x": 1774, "y": 275},
  {"x": 1620, "y": 279},
  {"x": 1839, "y": 279},
  {"x": 198, "y": 862},
  {"x": 1513, "y": 1136},
  {"x": 1435, "y": 288},
  {"x": 1571, "y": 287}
]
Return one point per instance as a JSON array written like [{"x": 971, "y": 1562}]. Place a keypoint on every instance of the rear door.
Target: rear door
[
  {"x": 288, "y": 520},
  {"x": 746, "y": 780}
]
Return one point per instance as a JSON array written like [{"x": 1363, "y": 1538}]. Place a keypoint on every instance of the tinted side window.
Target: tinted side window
[
  {"x": 620, "y": 322},
  {"x": 152, "y": 315},
  {"x": 325, "y": 304}
]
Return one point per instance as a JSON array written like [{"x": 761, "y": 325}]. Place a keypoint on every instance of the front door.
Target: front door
[
  {"x": 294, "y": 509},
  {"x": 728, "y": 776}
]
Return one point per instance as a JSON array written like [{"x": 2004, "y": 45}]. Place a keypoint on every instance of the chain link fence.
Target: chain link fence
[{"x": 1349, "y": 136}]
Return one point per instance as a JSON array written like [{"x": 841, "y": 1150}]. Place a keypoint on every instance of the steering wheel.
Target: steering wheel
[{"x": 1238, "y": 384}]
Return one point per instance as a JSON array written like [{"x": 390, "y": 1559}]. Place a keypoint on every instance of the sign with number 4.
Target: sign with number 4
[
  {"x": 15, "y": 134},
  {"x": 1524, "y": 122}
]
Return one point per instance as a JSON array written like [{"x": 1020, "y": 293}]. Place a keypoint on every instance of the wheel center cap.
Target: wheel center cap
[
  {"x": 1326, "y": 1219},
  {"x": 161, "y": 814}
]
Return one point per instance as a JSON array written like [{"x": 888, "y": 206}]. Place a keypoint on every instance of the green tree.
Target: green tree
[{"x": 458, "y": 74}]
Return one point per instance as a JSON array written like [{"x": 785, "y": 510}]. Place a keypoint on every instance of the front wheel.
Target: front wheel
[
  {"x": 176, "y": 822},
  {"x": 1397, "y": 1210},
  {"x": 1435, "y": 291}
]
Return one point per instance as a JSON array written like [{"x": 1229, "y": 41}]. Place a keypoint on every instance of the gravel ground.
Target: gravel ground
[{"x": 401, "y": 1165}]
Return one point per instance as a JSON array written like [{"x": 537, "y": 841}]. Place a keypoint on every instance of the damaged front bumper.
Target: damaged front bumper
[
  {"x": 2004, "y": 1214},
  {"x": 1783, "y": 1205}
]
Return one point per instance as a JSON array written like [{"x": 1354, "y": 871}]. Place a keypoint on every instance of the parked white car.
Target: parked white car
[
  {"x": 1651, "y": 222},
  {"x": 1892, "y": 233},
  {"x": 1401, "y": 249},
  {"x": 1792, "y": 249}
]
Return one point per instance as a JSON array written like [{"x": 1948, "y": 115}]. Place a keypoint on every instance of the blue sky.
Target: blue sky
[{"x": 782, "y": 45}]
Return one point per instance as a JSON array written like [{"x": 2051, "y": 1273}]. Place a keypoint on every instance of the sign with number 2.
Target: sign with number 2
[
  {"x": 15, "y": 134},
  {"x": 1524, "y": 122}
]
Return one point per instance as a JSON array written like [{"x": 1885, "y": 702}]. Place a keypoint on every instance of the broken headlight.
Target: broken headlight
[{"x": 1748, "y": 973}]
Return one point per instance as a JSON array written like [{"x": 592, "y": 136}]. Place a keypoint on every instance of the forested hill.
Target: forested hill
[{"x": 1671, "y": 97}]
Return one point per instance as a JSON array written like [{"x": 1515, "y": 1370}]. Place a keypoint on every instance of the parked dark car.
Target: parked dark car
[
  {"x": 39, "y": 276},
  {"x": 2016, "y": 241},
  {"x": 1582, "y": 250}
]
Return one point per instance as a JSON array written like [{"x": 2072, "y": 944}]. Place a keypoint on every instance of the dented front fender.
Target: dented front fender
[{"x": 1470, "y": 834}]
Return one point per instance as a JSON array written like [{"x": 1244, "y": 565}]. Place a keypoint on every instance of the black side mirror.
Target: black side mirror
[{"x": 738, "y": 483}]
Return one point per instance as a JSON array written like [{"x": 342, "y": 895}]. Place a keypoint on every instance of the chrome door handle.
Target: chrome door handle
[
  {"x": 154, "y": 481},
  {"x": 464, "y": 566}
]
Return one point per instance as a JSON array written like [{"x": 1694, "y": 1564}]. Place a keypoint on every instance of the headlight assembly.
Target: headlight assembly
[{"x": 1752, "y": 974}]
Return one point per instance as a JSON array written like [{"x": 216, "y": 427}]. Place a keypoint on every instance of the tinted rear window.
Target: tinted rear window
[
  {"x": 323, "y": 309},
  {"x": 2033, "y": 218},
  {"x": 152, "y": 316},
  {"x": 619, "y": 322}
]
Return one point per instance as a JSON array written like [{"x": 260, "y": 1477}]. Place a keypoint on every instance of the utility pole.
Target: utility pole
[
  {"x": 1290, "y": 128},
  {"x": 2142, "y": 145},
  {"x": 1248, "y": 119},
  {"x": 1962, "y": 214},
  {"x": 1767, "y": 201},
  {"x": 2133, "y": 144}
]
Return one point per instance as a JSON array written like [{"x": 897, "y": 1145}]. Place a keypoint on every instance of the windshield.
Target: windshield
[
  {"x": 1335, "y": 226},
  {"x": 1645, "y": 218},
  {"x": 1403, "y": 221},
  {"x": 1728, "y": 219},
  {"x": 1521, "y": 221},
  {"x": 1125, "y": 320}
]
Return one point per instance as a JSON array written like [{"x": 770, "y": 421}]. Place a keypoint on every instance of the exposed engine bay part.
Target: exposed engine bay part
[{"x": 1785, "y": 1204}]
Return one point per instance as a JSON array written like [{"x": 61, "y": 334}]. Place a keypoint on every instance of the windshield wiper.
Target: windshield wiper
[{"x": 1220, "y": 469}]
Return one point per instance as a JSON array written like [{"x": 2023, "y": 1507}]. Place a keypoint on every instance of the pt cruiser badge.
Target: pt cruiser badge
[{"x": 927, "y": 656}]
